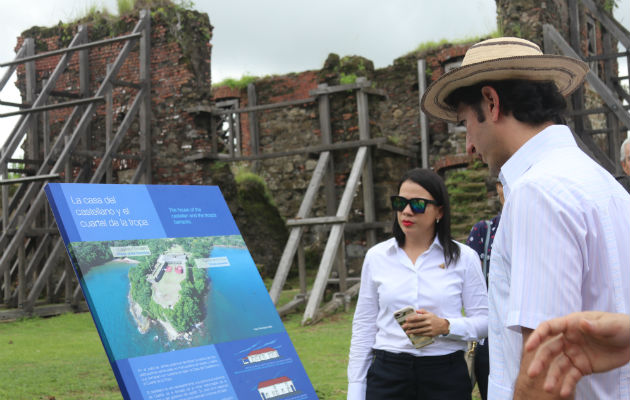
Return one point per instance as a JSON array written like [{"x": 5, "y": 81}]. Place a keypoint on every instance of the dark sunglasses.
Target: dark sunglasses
[{"x": 418, "y": 205}]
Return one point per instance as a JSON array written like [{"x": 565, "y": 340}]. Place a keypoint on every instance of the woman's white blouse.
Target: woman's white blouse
[{"x": 390, "y": 281}]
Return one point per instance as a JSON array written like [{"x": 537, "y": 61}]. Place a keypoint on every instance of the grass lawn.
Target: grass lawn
[{"x": 61, "y": 358}]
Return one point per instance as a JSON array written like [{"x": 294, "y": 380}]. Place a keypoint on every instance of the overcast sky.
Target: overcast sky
[{"x": 255, "y": 37}]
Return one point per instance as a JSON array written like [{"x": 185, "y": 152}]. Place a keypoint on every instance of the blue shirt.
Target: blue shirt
[{"x": 477, "y": 239}]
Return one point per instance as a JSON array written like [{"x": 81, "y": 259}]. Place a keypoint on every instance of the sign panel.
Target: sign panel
[{"x": 175, "y": 295}]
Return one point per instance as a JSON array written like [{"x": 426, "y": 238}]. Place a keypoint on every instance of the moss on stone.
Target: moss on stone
[{"x": 260, "y": 222}]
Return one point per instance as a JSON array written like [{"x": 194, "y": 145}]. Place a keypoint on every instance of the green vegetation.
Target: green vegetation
[
  {"x": 610, "y": 5},
  {"x": 427, "y": 46},
  {"x": 249, "y": 182},
  {"x": 346, "y": 79},
  {"x": 125, "y": 6},
  {"x": 54, "y": 358},
  {"x": 237, "y": 83},
  {"x": 469, "y": 198}
]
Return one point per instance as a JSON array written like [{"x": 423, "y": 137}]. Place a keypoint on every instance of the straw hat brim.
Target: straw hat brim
[{"x": 567, "y": 73}]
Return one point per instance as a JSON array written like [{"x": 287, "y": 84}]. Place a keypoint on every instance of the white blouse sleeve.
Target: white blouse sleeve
[
  {"x": 363, "y": 334},
  {"x": 473, "y": 326}
]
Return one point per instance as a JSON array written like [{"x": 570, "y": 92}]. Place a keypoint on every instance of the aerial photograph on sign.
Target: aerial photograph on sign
[{"x": 158, "y": 295}]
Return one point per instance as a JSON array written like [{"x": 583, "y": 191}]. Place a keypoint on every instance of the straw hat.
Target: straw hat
[{"x": 500, "y": 59}]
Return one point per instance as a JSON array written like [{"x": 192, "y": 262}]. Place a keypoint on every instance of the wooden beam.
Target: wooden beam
[
  {"x": 281, "y": 104},
  {"x": 340, "y": 88},
  {"x": 72, "y": 49},
  {"x": 291, "y": 305},
  {"x": 252, "y": 101},
  {"x": 316, "y": 221},
  {"x": 353, "y": 144},
  {"x": 29, "y": 179},
  {"x": 367, "y": 175},
  {"x": 48, "y": 107},
  {"x": 8, "y": 73},
  {"x": 145, "y": 81},
  {"x": 597, "y": 84},
  {"x": 323, "y": 106},
  {"x": 338, "y": 300}
]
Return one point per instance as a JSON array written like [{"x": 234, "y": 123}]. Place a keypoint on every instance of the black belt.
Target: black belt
[{"x": 389, "y": 356}]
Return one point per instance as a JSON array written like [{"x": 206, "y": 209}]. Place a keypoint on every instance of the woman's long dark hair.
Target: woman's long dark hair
[{"x": 433, "y": 184}]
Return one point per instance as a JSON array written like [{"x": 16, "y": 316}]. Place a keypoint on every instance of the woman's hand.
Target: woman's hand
[{"x": 426, "y": 323}]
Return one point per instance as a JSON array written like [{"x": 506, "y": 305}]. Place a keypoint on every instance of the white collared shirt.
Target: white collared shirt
[
  {"x": 390, "y": 281},
  {"x": 563, "y": 245}
]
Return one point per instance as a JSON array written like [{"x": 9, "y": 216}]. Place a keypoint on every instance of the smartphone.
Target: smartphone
[{"x": 418, "y": 341}]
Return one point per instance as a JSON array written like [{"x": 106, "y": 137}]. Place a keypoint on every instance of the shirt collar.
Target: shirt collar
[
  {"x": 534, "y": 149},
  {"x": 435, "y": 244}
]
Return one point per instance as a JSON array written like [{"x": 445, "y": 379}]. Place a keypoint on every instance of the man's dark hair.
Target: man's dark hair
[
  {"x": 530, "y": 102},
  {"x": 434, "y": 184}
]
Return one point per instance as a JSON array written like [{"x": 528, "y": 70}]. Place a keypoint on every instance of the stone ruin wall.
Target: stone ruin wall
[{"x": 180, "y": 75}]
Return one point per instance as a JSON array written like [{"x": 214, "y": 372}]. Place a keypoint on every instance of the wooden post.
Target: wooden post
[
  {"x": 68, "y": 281},
  {"x": 145, "y": 81},
  {"x": 213, "y": 136},
  {"x": 254, "y": 134},
  {"x": 424, "y": 124},
  {"x": 230, "y": 143},
  {"x": 21, "y": 272},
  {"x": 367, "y": 174},
  {"x": 612, "y": 122},
  {"x": 109, "y": 122},
  {"x": 238, "y": 145},
  {"x": 324, "y": 126},
  {"x": 302, "y": 269},
  {"x": 342, "y": 270},
  {"x": 31, "y": 87},
  {"x": 5, "y": 227},
  {"x": 84, "y": 90},
  {"x": 577, "y": 98}
]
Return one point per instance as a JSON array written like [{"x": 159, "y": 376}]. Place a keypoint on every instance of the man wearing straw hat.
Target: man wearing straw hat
[{"x": 563, "y": 244}]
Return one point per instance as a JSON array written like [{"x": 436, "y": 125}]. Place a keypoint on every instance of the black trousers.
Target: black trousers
[
  {"x": 402, "y": 376},
  {"x": 482, "y": 368}
]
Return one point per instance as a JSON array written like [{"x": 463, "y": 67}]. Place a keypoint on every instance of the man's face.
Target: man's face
[
  {"x": 625, "y": 164},
  {"x": 481, "y": 138}
]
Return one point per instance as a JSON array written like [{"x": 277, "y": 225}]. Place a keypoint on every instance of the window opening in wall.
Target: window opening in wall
[
  {"x": 591, "y": 38},
  {"x": 228, "y": 129}
]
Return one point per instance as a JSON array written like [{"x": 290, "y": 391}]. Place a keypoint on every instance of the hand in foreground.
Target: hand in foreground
[
  {"x": 425, "y": 323},
  {"x": 576, "y": 345}
]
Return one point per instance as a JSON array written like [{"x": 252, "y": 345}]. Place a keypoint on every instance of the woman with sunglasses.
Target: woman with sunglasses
[{"x": 421, "y": 267}]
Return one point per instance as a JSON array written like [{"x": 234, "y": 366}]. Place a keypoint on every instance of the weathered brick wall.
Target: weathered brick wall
[
  {"x": 180, "y": 76},
  {"x": 180, "y": 79}
]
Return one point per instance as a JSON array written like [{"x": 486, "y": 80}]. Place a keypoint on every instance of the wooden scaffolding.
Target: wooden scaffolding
[
  {"x": 602, "y": 79},
  {"x": 337, "y": 213},
  {"x": 33, "y": 266}
]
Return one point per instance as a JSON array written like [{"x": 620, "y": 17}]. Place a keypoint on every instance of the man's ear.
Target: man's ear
[{"x": 490, "y": 101}]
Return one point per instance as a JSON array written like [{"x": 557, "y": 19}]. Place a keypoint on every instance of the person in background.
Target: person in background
[
  {"x": 562, "y": 244},
  {"x": 480, "y": 239},
  {"x": 625, "y": 156},
  {"x": 422, "y": 267},
  {"x": 624, "y": 179}
]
